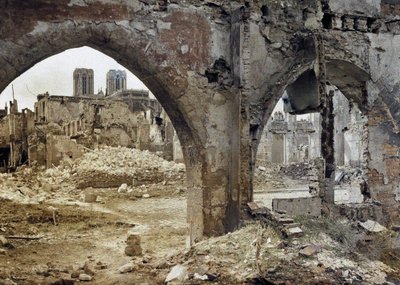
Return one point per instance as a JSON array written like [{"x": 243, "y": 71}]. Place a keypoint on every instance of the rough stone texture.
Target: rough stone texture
[
  {"x": 298, "y": 206},
  {"x": 218, "y": 70},
  {"x": 133, "y": 247}
]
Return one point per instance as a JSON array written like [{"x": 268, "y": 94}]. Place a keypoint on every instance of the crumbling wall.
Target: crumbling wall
[{"x": 59, "y": 148}]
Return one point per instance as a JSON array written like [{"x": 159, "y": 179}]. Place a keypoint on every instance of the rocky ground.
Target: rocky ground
[
  {"x": 272, "y": 177},
  {"x": 55, "y": 230}
]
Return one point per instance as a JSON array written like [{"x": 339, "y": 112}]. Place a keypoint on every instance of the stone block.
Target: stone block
[
  {"x": 298, "y": 206},
  {"x": 133, "y": 247}
]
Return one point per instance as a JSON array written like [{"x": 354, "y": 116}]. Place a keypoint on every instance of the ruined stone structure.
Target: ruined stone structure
[
  {"x": 15, "y": 127},
  {"x": 116, "y": 81},
  {"x": 83, "y": 82},
  {"x": 219, "y": 67},
  {"x": 290, "y": 139}
]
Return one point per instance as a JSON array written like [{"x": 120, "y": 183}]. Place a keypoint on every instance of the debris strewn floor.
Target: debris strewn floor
[{"x": 51, "y": 234}]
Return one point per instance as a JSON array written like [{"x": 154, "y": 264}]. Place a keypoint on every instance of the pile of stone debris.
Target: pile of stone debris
[
  {"x": 279, "y": 250},
  {"x": 113, "y": 166},
  {"x": 100, "y": 168}
]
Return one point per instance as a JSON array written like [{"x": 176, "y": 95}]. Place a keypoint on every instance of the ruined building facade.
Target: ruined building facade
[
  {"x": 15, "y": 128},
  {"x": 218, "y": 70},
  {"x": 294, "y": 138},
  {"x": 83, "y": 82}
]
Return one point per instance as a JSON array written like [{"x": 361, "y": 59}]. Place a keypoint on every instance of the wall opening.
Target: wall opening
[
  {"x": 115, "y": 156},
  {"x": 290, "y": 164}
]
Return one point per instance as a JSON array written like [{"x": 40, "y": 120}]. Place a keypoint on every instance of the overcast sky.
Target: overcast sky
[{"x": 54, "y": 75}]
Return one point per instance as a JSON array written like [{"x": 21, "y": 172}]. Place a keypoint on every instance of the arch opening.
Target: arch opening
[
  {"x": 290, "y": 162},
  {"x": 81, "y": 138}
]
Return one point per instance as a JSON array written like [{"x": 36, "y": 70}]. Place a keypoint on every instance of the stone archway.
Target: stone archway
[{"x": 174, "y": 70}]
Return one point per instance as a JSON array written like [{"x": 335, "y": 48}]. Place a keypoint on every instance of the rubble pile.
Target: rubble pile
[
  {"x": 349, "y": 176},
  {"x": 256, "y": 253},
  {"x": 301, "y": 171},
  {"x": 267, "y": 176},
  {"x": 113, "y": 166},
  {"x": 295, "y": 175},
  {"x": 107, "y": 167}
]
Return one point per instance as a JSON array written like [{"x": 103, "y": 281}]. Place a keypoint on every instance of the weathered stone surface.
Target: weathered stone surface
[
  {"x": 85, "y": 277},
  {"x": 133, "y": 247},
  {"x": 3, "y": 241},
  {"x": 298, "y": 206},
  {"x": 126, "y": 268},
  {"x": 373, "y": 226},
  {"x": 177, "y": 273},
  {"x": 221, "y": 79},
  {"x": 309, "y": 250}
]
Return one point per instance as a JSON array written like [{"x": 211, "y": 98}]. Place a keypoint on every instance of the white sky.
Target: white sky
[{"x": 54, "y": 75}]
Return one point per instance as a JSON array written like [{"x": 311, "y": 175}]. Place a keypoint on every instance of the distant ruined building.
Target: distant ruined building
[
  {"x": 62, "y": 126},
  {"x": 83, "y": 82},
  {"x": 116, "y": 81}
]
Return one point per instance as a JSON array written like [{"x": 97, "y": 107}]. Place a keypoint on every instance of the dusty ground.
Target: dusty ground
[{"x": 52, "y": 234}]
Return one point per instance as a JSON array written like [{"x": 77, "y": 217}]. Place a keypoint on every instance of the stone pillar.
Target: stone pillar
[
  {"x": 144, "y": 136},
  {"x": 213, "y": 171},
  {"x": 327, "y": 135},
  {"x": 247, "y": 162}
]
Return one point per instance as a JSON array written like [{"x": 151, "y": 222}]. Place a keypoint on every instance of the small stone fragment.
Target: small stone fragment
[
  {"x": 309, "y": 250},
  {"x": 85, "y": 277},
  {"x": 75, "y": 274},
  {"x": 373, "y": 226},
  {"x": 293, "y": 232},
  {"x": 123, "y": 188},
  {"x": 3, "y": 241},
  {"x": 133, "y": 247},
  {"x": 126, "y": 268},
  {"x": 177, "y": 273}
]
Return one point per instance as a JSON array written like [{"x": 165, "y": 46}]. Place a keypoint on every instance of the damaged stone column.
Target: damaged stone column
[
  {"x": 213, "y": 196},
  {"x": 327, "y": 134},
  {"x": 327, "y": 122}
]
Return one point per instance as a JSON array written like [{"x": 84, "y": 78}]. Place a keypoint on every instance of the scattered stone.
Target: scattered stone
[
  {"x": 293, "y": 232},
  {"x": 87, "y": 269},
  {"x": 177, "y": 273},
  {"x": 133, "y": 247},
  {"x": 204, "y": 277},
  {"x": 262, "y": 168},
  {"x": 293, "y": 225},
  {"x": 253, "y": 206},
  {"x": 285, "y": 221},
  {"x": 3, "y": 241},
  {"x": 126, "y": 268},
  {"x": 146, "y": 196},
  {"x": 339, "y": 176},
  {"x": 309, "y": 250},
  {"x": 123, "y": 188},
  {"x": 197, "y": 276},
  {"x": 373, "y": 226},
  {"x": 90, "y": 198},
  {"x": 85, "y": 277},
  {"x": 7, "y": 282},
  {"x": 3, "y": 251},
  {"x": 75, "y": 274}
]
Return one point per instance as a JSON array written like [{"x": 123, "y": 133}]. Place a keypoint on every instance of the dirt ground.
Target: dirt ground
[
  {"x": 53, "y": 235},
  {"x": 89, "y": 233}
]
